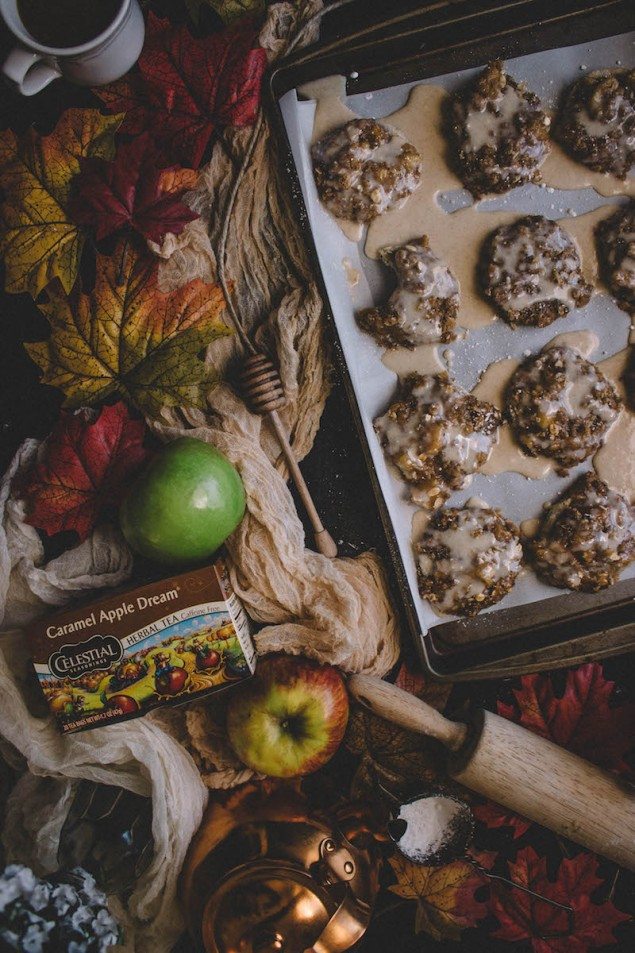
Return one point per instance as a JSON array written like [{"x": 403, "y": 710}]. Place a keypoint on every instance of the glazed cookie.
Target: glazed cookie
[
  {"x": 616, "y": 250},
  {"x": 629, "y": 379},
  {"x": 561, "y": 405},
  {"x": 531, "y": 270},
  {"x": 501, "y": 132},
  {"x": 364, "y": 168},
  {"x": 437, "y": 435},
  {"x": 467, "y": 559},
  {"x": 424, "y": 306},
  {"x": 596, "y": 122},
  {"x": 586, "y": 538}
]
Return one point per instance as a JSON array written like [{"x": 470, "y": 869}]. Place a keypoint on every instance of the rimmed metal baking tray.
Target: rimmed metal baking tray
[{"x": 415, "y": 44}]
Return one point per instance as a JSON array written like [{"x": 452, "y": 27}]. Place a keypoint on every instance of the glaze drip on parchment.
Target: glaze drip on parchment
[{"x": 615, "y": 460}]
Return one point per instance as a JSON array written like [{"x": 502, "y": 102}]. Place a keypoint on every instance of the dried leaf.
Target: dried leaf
[
  {"x": 523, "y": 917},
  {"x": 583, "y": 720},
  {"x": 494, "y": 816},
  {"x": 86, "y": 464},
  {"x": 127, "y": 337},
  {"x": 38, "y": 240},
  {"x": 227, "y": 10},
  {"x": 185, "y": 87},
  {"x": 444, "y": 895},
  {"x": 133, "y": 191},
  {"x": 389, "y": 754},
  {"x": 412, "y": 680}
]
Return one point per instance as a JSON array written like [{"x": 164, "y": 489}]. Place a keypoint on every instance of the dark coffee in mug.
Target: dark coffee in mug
[{"x": 66, "y": 23}]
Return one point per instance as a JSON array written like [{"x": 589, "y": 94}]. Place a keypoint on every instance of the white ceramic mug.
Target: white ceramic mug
[{"x": 110, "y": 54}]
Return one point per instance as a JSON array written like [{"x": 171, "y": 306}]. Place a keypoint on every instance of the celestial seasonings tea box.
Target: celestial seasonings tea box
[{"x": 165, "y": 643}]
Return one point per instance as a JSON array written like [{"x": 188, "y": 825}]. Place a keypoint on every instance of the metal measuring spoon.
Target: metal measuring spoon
[
  {"x": 432, "y": 829},
  {"x": 437, "y": 828}
]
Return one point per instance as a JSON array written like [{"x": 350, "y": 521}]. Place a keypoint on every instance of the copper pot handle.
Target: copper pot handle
[{"x": 343, "y": 929}]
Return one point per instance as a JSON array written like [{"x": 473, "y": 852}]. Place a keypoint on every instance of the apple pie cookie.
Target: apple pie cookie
[
  {"x": 467, "y": 559},
  {"x": 561, "y": 405},
  {"x": 423, "y": 307},
  {"x": 437, "y": 436},
  {"x": 586, "y": 538},
  {"x": 501, "y": 132},
  {"x": 531, "y": 270},
  {"x": 596, "y": 123},
  {"x": 363, "y": 168},
  {"x": 616, "y": 248}
]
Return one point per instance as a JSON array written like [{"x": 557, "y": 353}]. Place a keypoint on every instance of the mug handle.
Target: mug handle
[{"x": 30, "y": 71}]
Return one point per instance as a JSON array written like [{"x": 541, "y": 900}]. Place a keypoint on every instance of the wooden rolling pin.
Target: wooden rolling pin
[{"x": 525, "y": 773}]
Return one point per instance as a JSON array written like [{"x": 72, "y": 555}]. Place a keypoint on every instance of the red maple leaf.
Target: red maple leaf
[
  {"x": 185, "y": 87},
  {"x": 550, "y": 929},
  {"x": 494, "y": 816},
  {"x": 131, "y": 191},
  {"x": 581, "y": 720},
  {"x": 85, "y": 466}
]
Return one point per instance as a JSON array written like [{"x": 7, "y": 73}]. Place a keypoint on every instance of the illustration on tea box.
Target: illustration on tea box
[{"x": 191, "y": 656}]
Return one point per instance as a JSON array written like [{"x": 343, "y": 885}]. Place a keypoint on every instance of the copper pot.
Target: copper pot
[{"x": 267, "y": 876}]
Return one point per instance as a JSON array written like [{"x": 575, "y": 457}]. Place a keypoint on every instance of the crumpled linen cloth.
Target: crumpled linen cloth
[
  {"x": 334, "y": 610},
  {"x": 136, "y": 755}
]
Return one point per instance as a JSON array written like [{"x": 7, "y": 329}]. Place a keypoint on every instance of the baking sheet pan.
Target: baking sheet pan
[{"x": 495, "y": 631}]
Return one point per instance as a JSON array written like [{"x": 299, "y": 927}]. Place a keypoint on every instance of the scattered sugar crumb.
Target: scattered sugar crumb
[
  {"x": 352, "y": 274},
  {"x": 353, "y": 74}
]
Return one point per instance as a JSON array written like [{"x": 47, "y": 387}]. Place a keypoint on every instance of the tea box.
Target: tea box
[{"x": 164, "y": 643}]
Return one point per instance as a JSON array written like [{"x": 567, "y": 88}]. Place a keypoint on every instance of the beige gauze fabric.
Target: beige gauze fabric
[{"x": 335, "y": 610}]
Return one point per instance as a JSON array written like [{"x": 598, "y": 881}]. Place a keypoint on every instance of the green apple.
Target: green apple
[
  {"x": 290, "y": 718},
  {"x": 184, "y": 505}
]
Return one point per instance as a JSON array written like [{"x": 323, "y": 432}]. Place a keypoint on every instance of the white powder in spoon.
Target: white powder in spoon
[{"x": 430, "y": 822}]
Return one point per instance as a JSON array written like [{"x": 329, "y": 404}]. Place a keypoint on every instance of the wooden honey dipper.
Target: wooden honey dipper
[{"x": 262, "y": 389}]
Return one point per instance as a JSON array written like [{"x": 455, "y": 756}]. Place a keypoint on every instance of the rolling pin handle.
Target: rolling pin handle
[{"x": 406, "y": 710}]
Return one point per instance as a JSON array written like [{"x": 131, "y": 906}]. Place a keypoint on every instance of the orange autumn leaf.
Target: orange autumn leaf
[
  {"x": 444, "y": 895},
  {"x": 37, "y": 239},
  {"x": 127, "y": 337},
  {"x": 174, "y": 179}
]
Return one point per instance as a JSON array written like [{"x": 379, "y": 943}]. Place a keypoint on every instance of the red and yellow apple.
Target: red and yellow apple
[{"x": 290, "y": 718}]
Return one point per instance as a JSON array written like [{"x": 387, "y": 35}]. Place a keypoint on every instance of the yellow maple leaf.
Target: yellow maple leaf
[
  {"x": 128, "y": 337},
  {"x": 37, "y": 238},
  {"x": 444, "y": 895}
]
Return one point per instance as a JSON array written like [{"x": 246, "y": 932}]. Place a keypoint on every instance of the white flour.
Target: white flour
[{"x": 430, "y": 822}]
